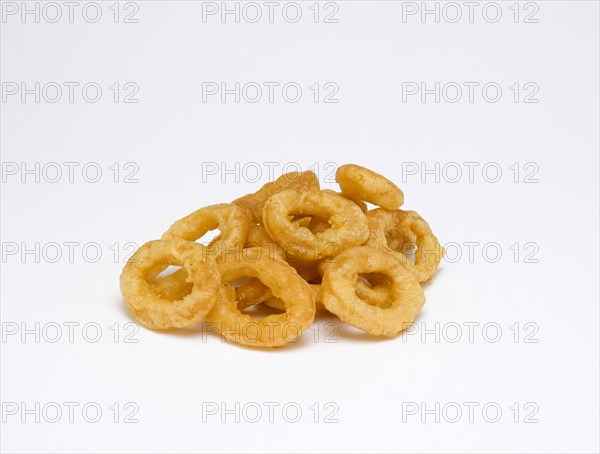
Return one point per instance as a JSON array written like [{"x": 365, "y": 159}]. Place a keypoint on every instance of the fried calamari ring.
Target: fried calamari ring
[
  {"x": 429, "y": 252},
  {"x": 361, "y": 183},
  {"x": 380, "y": 223},
  {"x": 371, "y": 287},
  {"x": 274, "y": 330},
  {"x": 150, "y": 308},
  {"x": 348, "y": 224},
  {"x": 253, "y": 203},
  {"x": 229, "y": 219},
  {"x": 339, "y": 294}
]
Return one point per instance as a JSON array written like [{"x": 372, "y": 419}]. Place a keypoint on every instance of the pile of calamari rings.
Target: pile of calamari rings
[{"x": 295, "y": 248}]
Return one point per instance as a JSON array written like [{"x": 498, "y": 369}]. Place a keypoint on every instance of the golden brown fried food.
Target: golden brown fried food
[
  {"x": 348, "y": 224},
  {"x": 361, "y": 183},
  {"x": 274, "y": 330},
  {"x": 338, "y": 291},
  {"x": 253, "y": 203},
  {"x": 293, "y": 247},
  {"x": 154, "y": 310}
]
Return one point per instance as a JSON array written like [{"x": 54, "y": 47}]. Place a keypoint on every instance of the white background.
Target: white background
[{"x": 171, "y": 132}]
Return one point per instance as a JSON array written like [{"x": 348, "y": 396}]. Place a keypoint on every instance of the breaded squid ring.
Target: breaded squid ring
[
  {"x": 429, "y": 251},
  {"x": 338, "y": 291},
  {"x": 348, "y": 224},
  {"x": 376, "y": 291},
  {"x": 409, "y": 230},
  {"x": 380, "y": 223},
  {"x": 253, "y": 203},
  {"x": 229, "y": 219},
  {"x": 150, "y": 308},
  {"x": 274, "y": 330},
  {"x": 360, "y": 183}
]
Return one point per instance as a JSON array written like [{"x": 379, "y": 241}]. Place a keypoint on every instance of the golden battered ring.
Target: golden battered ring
[
  {"x": 274, "y": 330},
  {"x": 360, "y": 183},
  {"x": 152, "y": 309},
  {"x": 338, "y": 291},
  {"x": 348, "y": 224}
]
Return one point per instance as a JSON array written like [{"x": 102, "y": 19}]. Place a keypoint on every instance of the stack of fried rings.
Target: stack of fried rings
[{"x": 294, "y": 247}]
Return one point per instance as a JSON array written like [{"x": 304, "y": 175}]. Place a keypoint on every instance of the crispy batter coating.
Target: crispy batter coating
[
  {"x": 320, "y": 308},
  {"x": 228, "y": 218},
  {"x": 233, "y": 225},
  {"x": 381, "y": 222},
  {"x": 253, "y": 203},
  {"x": 338, "y": 291},
  {"x": 362, "y": 205},
  {"x": 429, "y": 252},
  {"x": 361, "y": 183},
  {"x": 375, "y": 289},
  {"x": 401, "y": 232},
  {"x": 154, "y": 310},
  {"x": 275, "y": 330},
  {"x": 258, "y": 237},
  {"x": 348, "y": 224}
]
